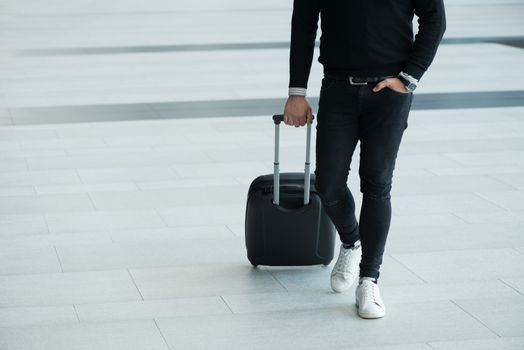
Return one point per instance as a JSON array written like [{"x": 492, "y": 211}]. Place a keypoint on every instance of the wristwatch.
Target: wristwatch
[{"x": 408, "y": 80}]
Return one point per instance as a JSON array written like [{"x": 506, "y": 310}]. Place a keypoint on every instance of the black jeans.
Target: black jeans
[{"x": 348, "y": 113}]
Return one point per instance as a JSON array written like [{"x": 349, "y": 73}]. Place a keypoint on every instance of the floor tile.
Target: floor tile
[
  {"x": 301, "y": 278},
  {"x": 324, "y": 328},
  {"x": 514, "y": 216},
  {"x": 140, "y": 254},
  {"x": 66, "y": 288},
  {"x": 173, "y": 233},
  {"x": 137, "y": 335},
  {"x": 45, "y": 203},
  {"x": 204, "y": 214},
  {"x": 506, "y": 343},
  {"x": 37, "y": 315},
  {"x": 443, "y": 203},
  {"x": 446, "y": 291},
  {"x": 38, "y": 177},
  {"x": 515, "y": 282},
  {"x": 22, "y": 259},
  {"x": 453, "y": 184},
  {"x": 51, "y": 239},
  {"x": 195, "y": 281},
  {"x": 124, "y": 174},
  {"x": 424, "y": 238},
  {"x": 511, "y": 200},
  {"x": 22, "y": 224},
  {"x": 103, "y": 220},
  {"x": 502, "y": 315},
  {"x": 464, "y": 265},
  {"x": 160, "y": 198},
  {"x": 513, "y": 179},
  {"x": 150, "y": 309}
]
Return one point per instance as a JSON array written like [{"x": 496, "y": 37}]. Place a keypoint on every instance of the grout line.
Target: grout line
[
  {"x": 110, "y": 236},
  {"x": 46, "y": 223},
  {"x": 478, "y": 320},
  {"x": 276, "y": 279},
  {"x": 76, "y": 313},
  {"x": 91, "y": 200},
  {"x": 490, "y": 201},
  {"x": 407, "y": 268},
  {"x": 518, "y": 251},
  {"x": 207, "y": 155},
  {"x": 161, "y": 217},
  {"x": 461, "y": 219},
  {"x": 11, "y": 116},
  {"x": 58, "y": 257},
  {"x": 79, "y": 177},
  {"x": 161, "y": 334},
  {"x": 449, "y": 156},
  {"x": 509, "y": 285},
  {"x": 501, "y": 181},
  {"x": 230, "y": 230},
  {"x": 431, "y": 172},
  {"x": 25, "y": 159},
  {"x": 225, "y": 302},
  {"x": 133, "y": 280},
  {"x": 137, "y": 187}
]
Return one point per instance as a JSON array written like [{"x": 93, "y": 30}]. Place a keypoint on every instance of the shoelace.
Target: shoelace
[
  {"x": 342, "y": 266},
  {"x": 369, "y": 290}
]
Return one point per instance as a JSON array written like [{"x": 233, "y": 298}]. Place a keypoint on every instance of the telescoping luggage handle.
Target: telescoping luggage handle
[{"x": 277, "y": 118}]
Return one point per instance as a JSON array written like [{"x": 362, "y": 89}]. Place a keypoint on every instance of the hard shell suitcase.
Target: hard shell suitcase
[{"x": 285, "y": 224}]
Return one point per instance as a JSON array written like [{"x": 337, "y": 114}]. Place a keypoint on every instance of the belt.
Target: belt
[{"x": 357, "y": 80}]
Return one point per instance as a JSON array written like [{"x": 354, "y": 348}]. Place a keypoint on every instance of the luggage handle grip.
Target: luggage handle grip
[{"x": 277, "y": 119}]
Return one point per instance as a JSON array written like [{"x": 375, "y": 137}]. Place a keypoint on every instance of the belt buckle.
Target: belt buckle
[{"x": 355, "y": 83}]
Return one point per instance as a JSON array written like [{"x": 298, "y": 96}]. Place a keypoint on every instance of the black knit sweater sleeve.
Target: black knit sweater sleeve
[
  {"x": 304, "y": 25},
  {"x": 432, "y": 25}
]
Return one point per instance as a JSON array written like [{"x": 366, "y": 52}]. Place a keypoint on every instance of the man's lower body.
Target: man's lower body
[{"x": 348, "y": 113}]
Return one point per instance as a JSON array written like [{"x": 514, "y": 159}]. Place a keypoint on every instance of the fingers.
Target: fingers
[
  {"x": 289, "y": 120},
  {"x": 309, "y": 117},
  {"x": 308, "y": 113},
  {"x": 298, "y": 121},
  {"x": 381, "y": 84}
]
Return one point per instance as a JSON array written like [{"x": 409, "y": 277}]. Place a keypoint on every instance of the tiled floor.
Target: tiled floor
[{"x": 130, "y": 132}]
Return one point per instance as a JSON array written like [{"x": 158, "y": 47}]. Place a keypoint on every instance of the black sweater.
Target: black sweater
[{"x": 365, "y": 37}]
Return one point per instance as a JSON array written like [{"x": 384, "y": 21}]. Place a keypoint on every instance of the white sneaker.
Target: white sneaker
[
  {"x": 368, "y": 300},
  {"x": 346, "y": 269}
]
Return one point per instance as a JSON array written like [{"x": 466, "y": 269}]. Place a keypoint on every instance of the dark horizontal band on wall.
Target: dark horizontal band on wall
[
  {"x": 517, "y": 41},
  {"x": 234, "y": 108}
]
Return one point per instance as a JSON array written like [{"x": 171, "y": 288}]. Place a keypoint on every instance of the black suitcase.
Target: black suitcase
[{"x": 285, "y": 224}]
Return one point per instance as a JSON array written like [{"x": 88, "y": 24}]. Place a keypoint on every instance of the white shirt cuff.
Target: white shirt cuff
[{"x": 297, "y": 91}]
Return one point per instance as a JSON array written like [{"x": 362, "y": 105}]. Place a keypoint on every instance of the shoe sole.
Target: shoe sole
[{"x": 368, "y": 316}]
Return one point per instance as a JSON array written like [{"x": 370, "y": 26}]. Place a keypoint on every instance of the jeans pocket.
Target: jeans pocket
[
  {"x": 398, "y": 92},
  {"x": 327, "y": 83}
]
